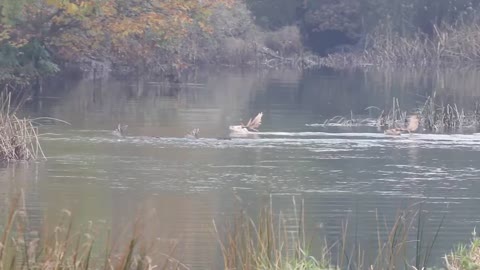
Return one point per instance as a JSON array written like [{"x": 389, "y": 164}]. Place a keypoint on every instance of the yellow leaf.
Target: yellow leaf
[
  {"x": 72, "y": 8},
  {"x": 53, "y": 2}
]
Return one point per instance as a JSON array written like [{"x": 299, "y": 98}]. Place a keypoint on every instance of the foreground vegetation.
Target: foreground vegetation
[
  {"x": 64, "y": 247},
  {"x": 269, "y": 241},
  {"x": 465, "y": 257},
  {"x": 272, "y": 242},
  {"x": 18, "y": 136}
]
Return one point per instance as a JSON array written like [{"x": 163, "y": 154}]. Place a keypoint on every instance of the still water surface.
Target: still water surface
[{"x": 341, "y": 173}]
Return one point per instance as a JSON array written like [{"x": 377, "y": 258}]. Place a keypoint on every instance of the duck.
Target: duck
[
  {"x": 412, "y": 126},
  {"x": 120, "y": 131},
  {"x": 193, "y": 134},
  {"x": 249, "y": 128}
]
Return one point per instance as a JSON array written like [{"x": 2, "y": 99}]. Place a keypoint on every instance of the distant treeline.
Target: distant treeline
[
  {"x": 41, "y": 37},
  {"x": 326, "y": 24}
]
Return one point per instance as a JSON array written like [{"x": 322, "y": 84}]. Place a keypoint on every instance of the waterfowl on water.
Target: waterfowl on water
[
  {"x": 412, "y": 126},
  {"x": 251, "y": 126},
  {"x": 121, "y": 130},
  {"x": 193, "y": 134}
]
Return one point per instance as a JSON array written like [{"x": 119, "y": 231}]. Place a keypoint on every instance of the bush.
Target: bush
[
  {"x": 286, "y": 41},
  {"x": 236, "y": 50}
]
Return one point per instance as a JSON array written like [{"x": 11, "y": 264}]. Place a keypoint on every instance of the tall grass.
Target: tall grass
[
  {"x": 393, "y": 118},
  {"x": 465, "y": 257},
  {"x": 65, "y": 247},
  {"x": 435, "y": 115},
  {"x": 18, "y": 136},
  {"x": 438, "y": 116},
  {"x": 405, "y": 246},
  {"x": 268, "y": 242},
  {"x": 450, "y": 45},
  {"x": 271, "y": 242}
]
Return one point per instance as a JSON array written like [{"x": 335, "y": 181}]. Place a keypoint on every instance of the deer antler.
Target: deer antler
[
  {"x": 254, "y": 123},
  {"x": 194, "y": 133}
]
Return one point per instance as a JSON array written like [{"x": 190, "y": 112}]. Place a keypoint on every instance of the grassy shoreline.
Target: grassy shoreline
[{"x": 265, "y": 241}]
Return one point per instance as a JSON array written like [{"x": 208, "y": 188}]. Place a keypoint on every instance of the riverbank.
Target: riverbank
[
  {"x": 134, "y": 39},
  {"x": 137, "y": 39}
]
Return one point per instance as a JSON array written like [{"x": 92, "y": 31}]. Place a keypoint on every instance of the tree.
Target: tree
[{"x": 133, "y": 32}]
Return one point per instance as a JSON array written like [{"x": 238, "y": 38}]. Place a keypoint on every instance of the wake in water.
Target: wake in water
[
  {"x": 340, "y": 121},
  {"x": 249, "y": 130},
  {"x": 242, "y": 135},
  {"x": 335, "y": 142}
]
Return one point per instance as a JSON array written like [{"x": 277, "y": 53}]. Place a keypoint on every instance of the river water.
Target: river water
[{"x": 341, "y": 173}]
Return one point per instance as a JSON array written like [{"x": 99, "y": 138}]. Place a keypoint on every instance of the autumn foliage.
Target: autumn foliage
[{"x": 133, "y": 32}]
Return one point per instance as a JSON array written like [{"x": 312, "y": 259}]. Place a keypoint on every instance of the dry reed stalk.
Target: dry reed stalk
[
  {"x": 394, "y": 118},
  {"x": 246, "y": 244},
  {"x": 438, "y": 117},
  {"x": 454, "y": 45},
  {"x": 70, "y": 249},
  {"x": 268, "y": 242},
  {"x": 18, "y": 137}
]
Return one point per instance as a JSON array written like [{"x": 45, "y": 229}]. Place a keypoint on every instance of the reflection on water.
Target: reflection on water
[{"x": 341, "y": 172}]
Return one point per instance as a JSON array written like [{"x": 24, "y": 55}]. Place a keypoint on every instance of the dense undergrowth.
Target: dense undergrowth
[
  {"x": 40, "y": 38},
  {"x": 448, "y": 46}
]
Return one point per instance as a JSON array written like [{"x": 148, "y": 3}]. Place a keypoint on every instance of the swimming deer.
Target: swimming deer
[
  {"x": 121, "y": 130},
  {"x": 251, "y": 126},
  {"x": 413, "y": 123},
  {"x": 193, "y": 134}
]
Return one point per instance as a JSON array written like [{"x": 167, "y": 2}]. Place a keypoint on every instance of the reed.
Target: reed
[
  {"x": 434, "y": 115},
  {"x": 266, "y": 242},
  {"x": 65, "y": 247},
  {"x": 18, "y": 136},
  {"x": 397, "y": 249},
  {"x": 271, "y": 240},
  {"x": 454, "y": 45},
  {"x": 393, "y": 118},
  {"x": 437, "y": 116}
]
